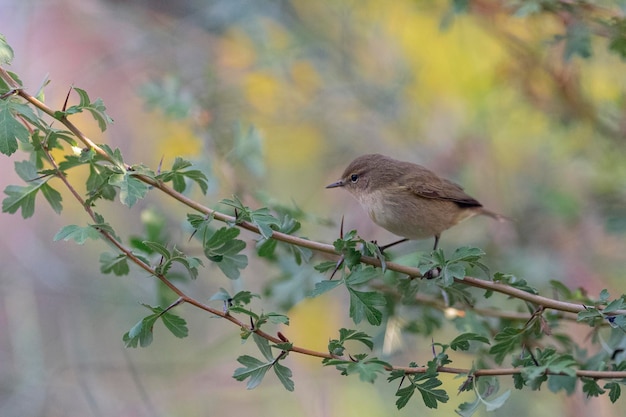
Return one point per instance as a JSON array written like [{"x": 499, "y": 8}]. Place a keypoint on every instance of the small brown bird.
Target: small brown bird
[{"x": 407, "y": 199}]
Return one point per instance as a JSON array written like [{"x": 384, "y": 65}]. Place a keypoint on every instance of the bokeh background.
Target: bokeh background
[{"x": 273, "y": 99}]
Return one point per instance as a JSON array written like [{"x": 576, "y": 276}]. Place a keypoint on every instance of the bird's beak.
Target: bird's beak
[{"x": 335, "y": 184}]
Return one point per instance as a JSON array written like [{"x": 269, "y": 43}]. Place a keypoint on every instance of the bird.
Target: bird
[{"x": 408, "y": 199}]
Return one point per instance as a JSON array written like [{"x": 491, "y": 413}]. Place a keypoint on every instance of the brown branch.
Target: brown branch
[
  {"x": 317, "y": 246},
  {"x": 538, "y": 300}
]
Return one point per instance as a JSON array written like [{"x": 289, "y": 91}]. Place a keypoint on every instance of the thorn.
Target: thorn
[
  {"x": 67, "y": 98},
  {"x": 252, "y": 328},
  {"x": 401, "y": 381},
  {"x": 9, "y": 93},
  {"x": 341, "y": 228},
  {"x": 282, "y": 337},
  {"x": 171, "y": 306},
  {"x": 616, "y": 352},
  {"x": 160, "y": 165},
  {"x": 432, "y": 345},
  {"x": 339, "y": 263},
  {"x": 530, "y": 353}
]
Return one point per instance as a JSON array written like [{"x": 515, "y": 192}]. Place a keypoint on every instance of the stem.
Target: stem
[{"x": 313, "y": 245}]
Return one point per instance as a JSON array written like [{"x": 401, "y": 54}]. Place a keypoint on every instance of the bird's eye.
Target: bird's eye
[{"x": 354, "y": 178}]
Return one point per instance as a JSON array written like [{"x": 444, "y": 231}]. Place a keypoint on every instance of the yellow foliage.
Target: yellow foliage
[
  {"x": 262, "y": 89},
  {"x": 235, "y": 50},
  {"x": 171, "y": 137},
  {"x": 313, "y": 324}
]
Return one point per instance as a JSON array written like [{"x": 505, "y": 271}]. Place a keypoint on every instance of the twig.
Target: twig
[{"x": 317, "y": 246}]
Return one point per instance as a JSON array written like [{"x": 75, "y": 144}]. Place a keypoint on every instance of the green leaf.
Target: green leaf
[
  {"x": 53, "y": 197},
  {"x": 324, "y": 286},
  {"x": 131, "y": 189},
  {"x": 6, "y": 52},
  {"x": 277, "y": 318},
  {"x": 367, "y": 369},
  {"x": 19, "y": 197},
  {"x": 614, "y": 305},
  {"x": 223, "y": 249},
  {"x": 284, "y": 375},
  {"x": 497, "y": 402},
  {"x": 158, "y": 248},
  {"x": 261, "y": 217},
  {"x": 177, "y": 176},
  {"x": 336, "y": 346},
  {"x": 244, "y": 297},
  {"x": 116, "y": 264},
  {"x": 506, "y": 341},
  {"x": 362, "y": 275},
  {"x": 97, "y": 109},
  {"x": 175, "y": 324},
  {"x": 427, "y": 385},
  {"x": 466, "y": 254},
  {"x": 513, "y": 281},
  {"x": 461, "y": 342},
  {"x": 11, "y": 130},
  {"x": 253, "y": 369},
  {"x": 404, "y": 395},
  {"x": 141, "y": 333},
  {"x": 77, "y": 233},
  {"x": 591, "y": 387},
  {"x": 26, "y": 170},
  {"x": 363, "y": 305},
  {"x": 264, "y": 346},
  {"x": 430, "y": 395},
  {"x": 562, "y": 382},
  {"x": 614, "y": 390},
  {"x": 264, "y": 221},
  {"x": 348, "y": 334}
]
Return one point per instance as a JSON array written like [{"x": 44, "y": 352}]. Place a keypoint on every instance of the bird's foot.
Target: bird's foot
[{"x": 432, "y": 273}]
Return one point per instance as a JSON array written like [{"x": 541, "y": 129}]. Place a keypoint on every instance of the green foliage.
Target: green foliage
[
  {"x": 96, "y": 108},
  {"x": 116, "y": 264},
  {"x": 142, "y": 333},
  {"x": 223, "y": 249},
  {"x": 485, "y": 390},
  {"x": 376, "y": 295},
  {"x": 179, "y": 173},
  {"x": 337, "y": 346},
  {"x": 425, "y": 383},
  {"x": 363, "y": 304},
  {"x": 23, "y": 197},
  {"x": 454, "y": 267},
  {"x": 11, "y": 130},
  {"x": 6, "y": 52},
  {"x": 261, "y": 218},
  {"x": 78, "y": 234},
  {"x": 366, "y": 368}
]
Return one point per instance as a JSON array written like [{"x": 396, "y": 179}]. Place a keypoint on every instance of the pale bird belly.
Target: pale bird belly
[
  {"x": 418, "y": 219},
  {"x": 388, "y": 215}
]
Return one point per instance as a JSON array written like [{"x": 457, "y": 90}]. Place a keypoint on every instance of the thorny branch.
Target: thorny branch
[{"x": 542, "y": 302}]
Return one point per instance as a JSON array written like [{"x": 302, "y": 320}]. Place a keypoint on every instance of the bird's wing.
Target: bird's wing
[{"x": 427, "y": 184}]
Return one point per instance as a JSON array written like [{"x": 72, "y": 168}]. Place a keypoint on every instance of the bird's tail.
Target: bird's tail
[{"x": 494, "y": 215}]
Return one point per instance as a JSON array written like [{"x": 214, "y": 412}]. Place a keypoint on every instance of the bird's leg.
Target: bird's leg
[
  {"x": 436, "y": 242},
  {"x": 433, "y": 273},
  {"x": 387, "y": 246}
]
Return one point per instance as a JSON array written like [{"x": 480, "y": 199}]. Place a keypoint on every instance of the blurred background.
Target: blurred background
[{"x": 273, "y": 99}]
